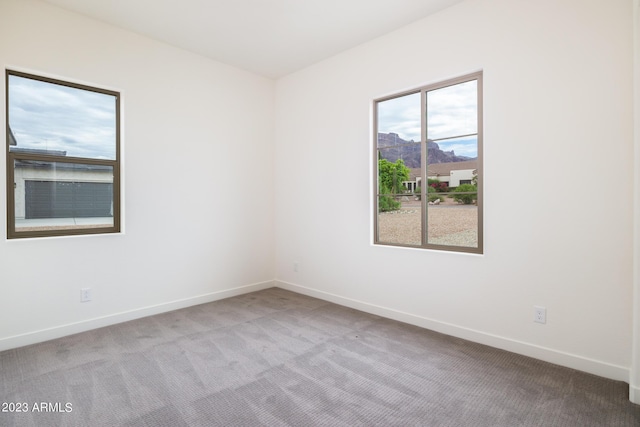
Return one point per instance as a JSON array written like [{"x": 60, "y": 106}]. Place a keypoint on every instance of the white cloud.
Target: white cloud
[
  {"x": 54, "y": 117},
  {"x": 402, "y": 116},
  {"x": 451, "y": 111}
]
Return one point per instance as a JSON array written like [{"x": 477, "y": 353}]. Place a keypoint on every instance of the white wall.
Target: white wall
[
  {"x": 557, "y": 96},
  {"x": 634, "y": 380},
  {"x": 196, "y": 226}
]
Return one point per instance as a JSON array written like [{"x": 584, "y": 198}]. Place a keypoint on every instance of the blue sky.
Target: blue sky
[
  {"x": 54, "y": 117},
  {"x": 462, "y": 147},
  {"x": 451, "y": 111}
]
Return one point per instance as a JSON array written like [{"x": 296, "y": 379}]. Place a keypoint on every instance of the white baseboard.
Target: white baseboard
[
  {"x": 603, "y": 369},
  {"x": 634, "y": 394},
  {"x": 573, "y": 361},
  {"x": 112, "y": 319}
]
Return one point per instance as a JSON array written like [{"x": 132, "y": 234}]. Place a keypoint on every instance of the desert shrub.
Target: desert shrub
[
  {"x": 440, "y": 187},
  {"x": 418, "y": 192},
  {"x": 386, "y": 202},
  {"x": 433, "y": 196},
  {"x": 465, "y": 199}
]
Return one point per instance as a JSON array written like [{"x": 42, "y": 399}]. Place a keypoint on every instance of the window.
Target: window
[
  {"x": 428, "y": 163},
  {"x": 63, "y": 158}
]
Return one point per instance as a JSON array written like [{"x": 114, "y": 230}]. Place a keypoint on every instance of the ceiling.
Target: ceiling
[{"x": 268, "y": 37}]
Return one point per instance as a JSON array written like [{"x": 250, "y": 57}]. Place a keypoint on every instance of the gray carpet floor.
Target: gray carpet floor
[{"x": 277, "y": 358}]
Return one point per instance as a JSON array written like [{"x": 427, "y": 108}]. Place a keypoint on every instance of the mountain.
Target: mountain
[{"x": 392, "y": 148}]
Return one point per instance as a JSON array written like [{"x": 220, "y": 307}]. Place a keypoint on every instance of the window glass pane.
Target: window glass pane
[
  {"x": 48, "y": 118},
  {"x": 452, "y": 165},
  {"x": 402, "y": 223},
  {"x": 452, "y": 111},
  {"x": 60, "y": 196},
  {"x": 452, "y": 220},
  {"x": 399, "y": 120},
  {"x": 399, "y": 207}
]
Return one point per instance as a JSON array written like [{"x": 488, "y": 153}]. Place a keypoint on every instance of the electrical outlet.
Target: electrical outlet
[
  {"x": 85, "y": 294},
  {"x": 539, "y": 314}
]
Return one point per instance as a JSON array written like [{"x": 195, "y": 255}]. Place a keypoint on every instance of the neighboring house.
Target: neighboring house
[
  {"x": 12, "y": 138},
  {"x": 414, "y": 180},
  {"x": 60, "y": 190},
  {"x": 453, "y": 174}
]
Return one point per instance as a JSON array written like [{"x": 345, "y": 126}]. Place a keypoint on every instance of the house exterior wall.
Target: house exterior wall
[
  {"x": 460, "y": 175},
  {"x": 441, "y": 178},
  {"x": 23, "y": 174},
  {"x": 455, "y": 177}
]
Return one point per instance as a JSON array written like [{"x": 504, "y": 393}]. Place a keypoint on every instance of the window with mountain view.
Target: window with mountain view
[
  {"x": 63, "y": 167},
  {"x": 428, "y": 163}
]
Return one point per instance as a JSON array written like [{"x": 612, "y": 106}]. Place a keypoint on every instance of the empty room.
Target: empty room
[{"x": 333, "y": 213}]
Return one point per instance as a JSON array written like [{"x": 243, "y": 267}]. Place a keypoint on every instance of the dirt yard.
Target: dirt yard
[{"x": 449, "y": 223}]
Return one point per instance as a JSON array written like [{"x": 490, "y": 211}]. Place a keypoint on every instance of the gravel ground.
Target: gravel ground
[{"x": 449, "y": 224}]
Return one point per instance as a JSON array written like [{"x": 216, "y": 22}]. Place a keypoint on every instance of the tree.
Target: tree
[
  {"x": 386, "y": 202},
  {"x": 392, "y": 175}
]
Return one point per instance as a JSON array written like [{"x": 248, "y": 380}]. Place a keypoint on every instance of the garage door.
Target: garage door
[{"x": 55, "y": 199}]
